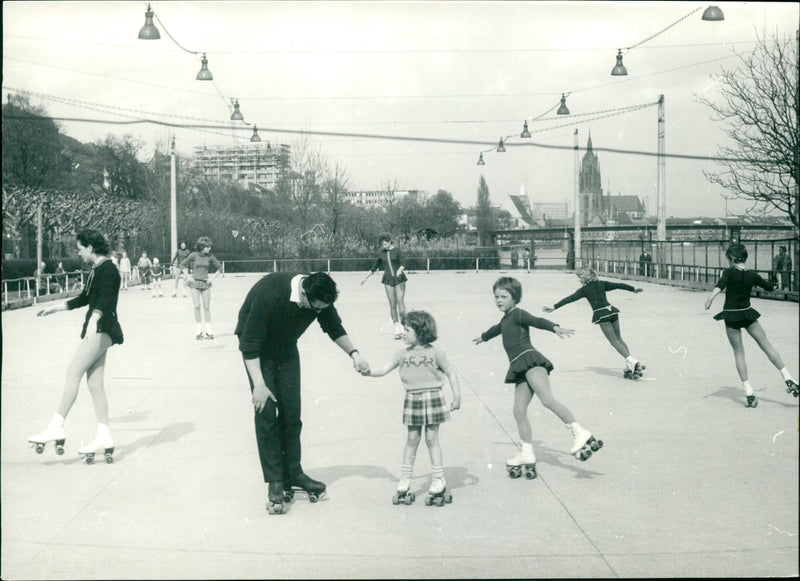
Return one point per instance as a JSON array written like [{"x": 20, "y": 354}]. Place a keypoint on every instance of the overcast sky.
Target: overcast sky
[{"x": 442, "y": 73}]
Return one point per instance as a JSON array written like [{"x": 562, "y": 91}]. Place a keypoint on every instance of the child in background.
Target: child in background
[
  {"x": 605, "y": 315},
  {"x": 529, "y": 370},
  {"x": 422, "y": 370},
  {"x": 157, "y": 272},
  {"x": 737, "y": 281}
]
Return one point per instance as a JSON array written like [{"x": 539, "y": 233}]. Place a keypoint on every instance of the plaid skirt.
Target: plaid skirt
[{"x": 425, "y": 407}]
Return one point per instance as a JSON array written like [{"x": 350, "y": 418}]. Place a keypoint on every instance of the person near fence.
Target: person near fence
[
  {"x": 144, "y": 265},
  {"x": 158, "y": 273},
  {"x": 177, "y": 272},
  {"x": 101, "y": 330},
  {"x": 604, "y": 314},
  {"x": 61, "y": 277},
  {"x": 529, "y": 371},
  {"x": 783, "y": 265},
  {"x": 394, "y": 280},
  {"x": 200, "y": 264},
  {"x": 645, "y": 261},
  {"x": 738, "y": 281},
  {"x": 125, "y": 270},
  {"x": 276, "y": 312},
  {"x": 514, "y": 258},
  {"x": 423, "y": 367}
]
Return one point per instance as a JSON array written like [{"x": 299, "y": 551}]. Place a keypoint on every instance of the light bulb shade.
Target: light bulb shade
[
  {"x": 713, "y": 13},
  {"x": 525, "y": 133},
  {"x": 149, "y": 30},
  {"x": 562, "y": 110},
  {"x": 500, "y": 148},
  {"x": 255, "y": 138},
  {"x": 619, "y": 69},
  {"x": 480, "y": 160},
  {"x": 236, "y": 115},
  {"x": 204, "y": 74}
]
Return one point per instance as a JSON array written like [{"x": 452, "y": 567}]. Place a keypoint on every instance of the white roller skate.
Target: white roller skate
[
  {"x": 403, "y": 494},
  {"x": 525, "y": 462},
  {"x": 585, "y": 443},
  {"x": 102, "y": 441},
  {"x": 791, "y": 387},
  {"x": 53, "y": 433},
  {"x": 438, "y": 494},
  {"x": 751, "y": 401},
  {"x": 634, "y": 372}
]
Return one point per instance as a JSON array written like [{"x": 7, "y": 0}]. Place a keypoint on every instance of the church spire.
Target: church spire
[{"x": 589, "y": 143}]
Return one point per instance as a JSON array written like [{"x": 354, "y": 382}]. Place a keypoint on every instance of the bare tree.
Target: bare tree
[{"x": 759, "y": 101}]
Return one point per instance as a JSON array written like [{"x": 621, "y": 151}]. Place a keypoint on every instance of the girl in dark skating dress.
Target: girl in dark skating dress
[
  {"x": 737, "y": 281},
  {"x": 529, "y": 370},
  {"x": 605, "y": 315},
  {"x": 394, "y": 280}
]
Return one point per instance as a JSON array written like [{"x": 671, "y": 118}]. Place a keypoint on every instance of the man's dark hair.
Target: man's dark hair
[
  {"x": 320, "y": 287},
  {"x": 94, "y": 239}
]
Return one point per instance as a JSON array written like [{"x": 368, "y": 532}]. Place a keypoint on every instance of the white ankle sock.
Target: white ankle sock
[
  {"x": 786, "y": 375},
  {"x": 748, "y": 389}
]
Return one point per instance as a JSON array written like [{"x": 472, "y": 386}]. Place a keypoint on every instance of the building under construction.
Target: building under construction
[{"x": 251, "y": 163}]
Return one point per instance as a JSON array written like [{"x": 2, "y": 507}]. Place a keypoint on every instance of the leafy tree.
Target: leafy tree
[
  {"x": 483, "y": 213},
  {"x": 759, "y": 101},
  {"x": 441, "y": 213},
  {"x": 32, "y": 156},
  {"x": 408, "y": 216},
  {"x": 124, "y": 175}
]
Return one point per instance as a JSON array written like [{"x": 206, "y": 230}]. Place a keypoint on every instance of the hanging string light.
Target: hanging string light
[
  {"x": 562, "y": 110},
  {"x": 500, "y": 148},
  {"x": 255, "y": 138},
  {"x": 525, "y": 133},
  {"x": 712, "y": 13},
  {"x": 150, "y": 32},
  {"x": 480, "y": 159},
  {"x": 236, "y": 115}
]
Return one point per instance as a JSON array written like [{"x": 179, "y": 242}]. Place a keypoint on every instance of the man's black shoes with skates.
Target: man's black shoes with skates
[
  {"x": 275, "y": 497},
  {"x": 304, "y": 483}
]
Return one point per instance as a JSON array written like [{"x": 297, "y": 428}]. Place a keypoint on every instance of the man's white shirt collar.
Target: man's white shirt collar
[{"x": 296, "y": 295}]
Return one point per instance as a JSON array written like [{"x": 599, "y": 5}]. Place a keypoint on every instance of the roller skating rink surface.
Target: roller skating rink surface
[{"x": 689, "y": 482}]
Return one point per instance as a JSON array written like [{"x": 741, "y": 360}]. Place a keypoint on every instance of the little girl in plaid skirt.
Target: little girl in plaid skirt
[{"x": 423, "y": 368}]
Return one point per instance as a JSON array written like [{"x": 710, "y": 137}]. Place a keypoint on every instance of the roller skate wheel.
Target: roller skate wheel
[
  {"x": 90, "y": 458},
  {"x": 530, "y": 473},
  {"x": 409, "y": 498},
  {"x": 60, "y": 450},
  {"x": 39, "y": 448},
  {"x": 514, "y": 471},
  {"x": 275, "y": 509},
  {"x": 439, "y": 501},
  {"x": 428, "y": 501},
  {"x": 109, "y": 459},
  {"x": 396, "y": 498},
  {"x": 312, "y": 497},
  {"x": 288, "y": 495},
  {"x": 448, "y": 498}
]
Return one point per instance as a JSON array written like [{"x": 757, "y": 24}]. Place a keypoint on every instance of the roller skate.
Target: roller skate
[
  {"x": 275, "y": 496},
  {"x": 524, "y": 462},
  {"x": 102, "y": 441},
  {"x": 634, "y": 373},
  {"x": 403, "y": 494},
  {"x": 585, "y": 442},
  {"x": 53, "y": 433},
  {"x": 438, "y": 494},
  {"x": 791, "y": 387},
  {"x": 303, "y": 483},
  {"x": 398, "y": 331},
  {"x": 751, "y": 401}
]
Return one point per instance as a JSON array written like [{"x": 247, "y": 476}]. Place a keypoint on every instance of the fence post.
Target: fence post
[
  {"x": 329, "y": 266},
  {"x": 428, "y": 265},
  {"x": 477, "y": 269}
]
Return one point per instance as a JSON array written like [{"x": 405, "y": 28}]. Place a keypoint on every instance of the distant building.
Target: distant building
[
  {"x": 527, "y": 214},
  {"x": 378, "y": 198},
  {"x": 252, "y": 163},
  {"x": 598, "y": 209}
]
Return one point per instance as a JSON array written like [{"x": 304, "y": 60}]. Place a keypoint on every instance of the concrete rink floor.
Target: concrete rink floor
[{"x": 689, "y": 482}]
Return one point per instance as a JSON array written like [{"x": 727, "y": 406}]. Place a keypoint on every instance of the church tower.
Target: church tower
[{"x": 590, "y": 188}]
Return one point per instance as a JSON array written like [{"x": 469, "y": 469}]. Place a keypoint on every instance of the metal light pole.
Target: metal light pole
[
  {"x": 662, "y": 187},
  {"x": 577, "y": 204},
  {"x": 173, "y": 198}
]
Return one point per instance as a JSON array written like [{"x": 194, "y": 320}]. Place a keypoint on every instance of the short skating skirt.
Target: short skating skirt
[
  {"x": 738, "y": 319},
  {"x": 392, "y": 280},
  {"x": 425, "y": 407},
  {"x": 605, "y": 315},
  {"x": 528, "y": 360}
]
